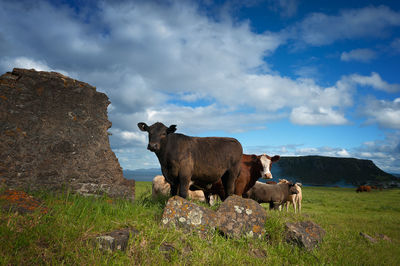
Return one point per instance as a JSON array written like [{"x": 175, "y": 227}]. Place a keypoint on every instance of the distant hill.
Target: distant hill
[
  {"x": 142, "y": 174},
  {"x": 309, "y": 170},
  {"x": 321, "y": 170},
  {"x": 396, "y": 175}
]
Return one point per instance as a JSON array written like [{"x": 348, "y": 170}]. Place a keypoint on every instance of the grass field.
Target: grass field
[{"x": 60, "y": 236}]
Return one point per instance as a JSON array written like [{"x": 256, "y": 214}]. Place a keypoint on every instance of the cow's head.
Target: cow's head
[
  {"x": 157, "y": 132},
  {"x": 293, "y": 189},
  {"x": 266, "y": 162}
]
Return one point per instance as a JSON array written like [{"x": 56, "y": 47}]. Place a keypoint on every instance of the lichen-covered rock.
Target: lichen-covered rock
[
  {"x": 238, "y": 217},
  {"x": 115, "y": 240},
  {"x": 181, "y": 213},
  {"x": 53, "y": 134},
  {"x": 305, "y": 234}
]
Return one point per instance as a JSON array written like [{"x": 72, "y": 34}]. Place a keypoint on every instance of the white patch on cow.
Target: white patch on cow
[{"x": 266, "y": 163}]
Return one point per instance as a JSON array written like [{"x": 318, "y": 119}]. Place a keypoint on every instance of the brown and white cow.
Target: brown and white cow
[
  {"x": 194, "y": 161},
  {"x": 253, "y": 167}
]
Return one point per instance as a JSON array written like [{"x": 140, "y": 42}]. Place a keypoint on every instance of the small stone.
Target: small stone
[
  {"x": 304, "y": 234},
  {"x": 369, "y": 238},
  {"x": 115, "y": 240}
]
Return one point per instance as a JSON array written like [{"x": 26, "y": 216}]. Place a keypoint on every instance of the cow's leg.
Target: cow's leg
[
  {"x": 207, "y": 196},
  {"x": 275, "y": 205},
  {"x": 294, "y": 206},
  {"x": 174, "y": 189},
  {"x": 299, "y": 205},
  {"x": 228, "y": 180},
  {"x": 185, "y": 176},
  {"x": 240, "y": 186},
  {"x": 171, "y": 176}
]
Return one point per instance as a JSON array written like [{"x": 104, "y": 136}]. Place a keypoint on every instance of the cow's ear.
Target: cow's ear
[
  {"x": 275, "y": 158},
  {"x": 171, "y": 129},
  {"x": 143, "y": 127}
]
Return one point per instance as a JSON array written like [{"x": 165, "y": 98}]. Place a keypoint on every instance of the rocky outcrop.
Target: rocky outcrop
[
  {"x": 305, "y": 234},
  {"x": 54, "y": 135},
  {"x": 236, "y": 217}
]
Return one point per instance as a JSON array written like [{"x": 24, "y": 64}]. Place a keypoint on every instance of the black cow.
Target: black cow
[
  {"x": 193, "y": 161},
  {"x": 274, "y": 194}
]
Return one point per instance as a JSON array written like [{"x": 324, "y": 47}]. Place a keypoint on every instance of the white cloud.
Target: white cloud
[
  {"x": 385, "y": 153},
  {"x": 320, "y": 29},
  {"x": 375, "y": 81},
  {"x": 343, "y": 153},
  {"x": 142, "y": 54},
  {"x": 28, "y": 63},
  {"x": 385, "y": 113},
  {"x": 361, "y": 55},
  {"x": 304, "y": 115},
  {"x": 307, "y": 72}
]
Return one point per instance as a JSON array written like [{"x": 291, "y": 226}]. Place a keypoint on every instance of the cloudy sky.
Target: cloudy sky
[{"x": 285, "y": 77}]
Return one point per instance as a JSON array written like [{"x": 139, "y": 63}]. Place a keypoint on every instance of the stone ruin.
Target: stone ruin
[{"x": 54, "y": 136}]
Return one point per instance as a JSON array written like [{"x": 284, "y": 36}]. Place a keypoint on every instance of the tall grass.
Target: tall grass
[{"x": 62, "y": 235}]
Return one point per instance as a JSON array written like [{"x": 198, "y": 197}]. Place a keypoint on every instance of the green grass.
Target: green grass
[{"x": 61, "y": 236}]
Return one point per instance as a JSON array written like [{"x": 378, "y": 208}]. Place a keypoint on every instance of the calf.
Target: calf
[
  {"x": 193, "y": 161},
  {"x": 295, "y": 199},
  {"x": 275, "y": 195}
]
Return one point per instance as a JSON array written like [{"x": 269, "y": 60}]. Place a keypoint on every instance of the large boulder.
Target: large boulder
[
  {"x": 54, "y": 135},
  {"x": 181, "y": 213},
  {"x": 239, "y": 217}
]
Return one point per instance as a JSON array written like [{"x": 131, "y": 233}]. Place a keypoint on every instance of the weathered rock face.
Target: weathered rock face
[
  {"x": 54, "y": 134},
  {"x": 305, "y": 234},
  {"x": 238, "y": 217}
]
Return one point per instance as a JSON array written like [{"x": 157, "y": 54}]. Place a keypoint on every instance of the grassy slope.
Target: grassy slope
[{"x": 59, "y": 237}]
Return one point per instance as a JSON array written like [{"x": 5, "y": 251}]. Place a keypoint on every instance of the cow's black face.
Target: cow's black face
[{"x": 157, "y": 132}]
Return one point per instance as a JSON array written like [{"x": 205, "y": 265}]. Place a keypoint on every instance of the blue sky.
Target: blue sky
[{"x": 284, "y": 77}]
